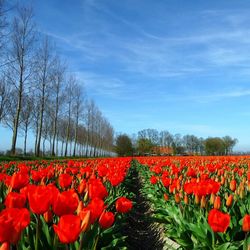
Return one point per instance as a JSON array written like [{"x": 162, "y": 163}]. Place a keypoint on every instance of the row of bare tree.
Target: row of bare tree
[{"x": 38, "y": 93}]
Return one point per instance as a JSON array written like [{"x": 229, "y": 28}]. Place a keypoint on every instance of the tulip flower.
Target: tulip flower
[
  {"x": 246, "y": 223},
  {"x": 106, "y": 220},
  {"x": 12, "y": 222},
  {"x": 18, "y": 180},
  {"x": 123, "y": 205},
  {"x": 15, "y": 200},
  {"x": 218, "y": 221},
  {"x": 40, "y": 199},
  {"x": 97, "y": 189},
  {"x": 65, "y": 180},
  {"x": 68, "y": 228},
  {"x": 65, "y": 203},
  {"x": 153, "y": 179}
]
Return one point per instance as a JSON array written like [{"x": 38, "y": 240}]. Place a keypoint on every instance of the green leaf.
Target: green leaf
[
  {"x": 224, "y": 246},
  {"x": 196, "y": 230}
]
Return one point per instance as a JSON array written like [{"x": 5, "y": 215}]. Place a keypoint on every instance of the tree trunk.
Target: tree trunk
[
  {"x": 67, "y": 138},
  {"x": 76, "y": 137},
  {"x": 57, "y": 147},
  {"x": 44, "y": 146},
  {"x": 16, "y": 121},
  {"x": 62, "y": 148},
  {"x": 25, "y": 139},
  {"x": 41, "y": 121},
  {"x": 55, "y": 125}
]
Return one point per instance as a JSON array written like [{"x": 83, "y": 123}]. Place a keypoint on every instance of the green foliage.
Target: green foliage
[
  {"x": 219, "y": 146},
  {"x": 123, "y": 146},
  {"x": 144, "y": 146},
  {"x": 214, "y": 146}
]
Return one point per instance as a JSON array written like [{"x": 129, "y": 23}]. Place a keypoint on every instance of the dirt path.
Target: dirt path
[{"x": 142, "y": 233}]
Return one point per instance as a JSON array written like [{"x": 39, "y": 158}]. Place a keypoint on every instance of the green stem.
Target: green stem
[
  {"x": 81, "y": 242},
  {"x": 96, "y": 241},
  {"x": 55, "y": 242},
  {"x": 37, "y": 231}
]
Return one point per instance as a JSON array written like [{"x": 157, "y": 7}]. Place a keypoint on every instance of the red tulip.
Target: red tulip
[
  {"x": 15, "y": 200},
  {"x": 65, "y": 203},
  {"x": 218, "y": 221},
  {"x": 153, "y": 179},
  {"x": 96, "y": 207},
  {"x": 123, "y": 205},
  {"x": 12, "y": 223},
  {"x": 19, "y": 180},
  {"x": 68, "y": 228},
  {"x": 97, "y": 189},
  {"x": 246, "y": 223},
  {"x": 40, "y": 198},
  {"x": 65, "y": 180},
  {"x": 106, "y": 220}
]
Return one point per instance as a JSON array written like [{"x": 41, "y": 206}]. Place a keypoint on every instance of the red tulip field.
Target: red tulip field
[{"x": 119, "y": 203}]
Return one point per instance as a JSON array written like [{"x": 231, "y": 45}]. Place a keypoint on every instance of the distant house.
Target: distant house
[{"x": 161, "y": 150}]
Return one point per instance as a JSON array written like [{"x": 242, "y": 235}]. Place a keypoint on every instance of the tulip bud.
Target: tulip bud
[
  {"x": 203, "y": 202},
  {"x": 242, "y": 193},
  {"x": 81, "y": 187},
  {"x": 86, "y": 197},
  {"x": 79, "y": 208},
  {"x": 178, "y": 185},
  {"x": 217, "y": 202},
  {"x": 177, "y": 198},
  {"x": 229, "y": 200},
  {"x": 212, "y": 198},
  {"x": 85, "y": 218},
  {"x": 165, "y": 197},
  {"x": 222, "y": 181},
  {"x": 48, "y": 216},
  {"x": 232, "y": 185},
  {"x": 186, "y": 199},
  {"x": 197, "y": 199},
  {"x": 226, "y": 195},
  {"x": 5, "y": 246}
]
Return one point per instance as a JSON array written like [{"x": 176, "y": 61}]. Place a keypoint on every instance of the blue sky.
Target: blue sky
[{"x": 183, "y": 66}]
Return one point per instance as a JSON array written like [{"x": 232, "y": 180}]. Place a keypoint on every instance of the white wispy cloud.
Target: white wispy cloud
[
  {"x": 102, "y": 85},
  {"x": 163, "y": 55}
]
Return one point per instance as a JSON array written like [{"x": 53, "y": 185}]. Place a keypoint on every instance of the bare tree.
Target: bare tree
[
  {"x": 77, "y": 112},
  {"x": 9, "y": 118},
  {"x": 69, "y": 100},
  {"x": 3, "y": 23},
  {"x": 4, "y": 96},
  {"x": 57, "y": 96},
  {"x": 20, "y": 71},
  {"x": 44, "y": 61},
  {"x": 26, "y": 118}
]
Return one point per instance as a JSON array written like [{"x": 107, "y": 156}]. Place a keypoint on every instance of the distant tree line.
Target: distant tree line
[
  {"x": 38, "y": 94},
  {"x": 147, "y": 140}
]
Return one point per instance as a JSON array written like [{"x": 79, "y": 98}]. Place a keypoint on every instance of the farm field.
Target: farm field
[
  {"x": 105, "y": 203},
  {"x": 124, "y": 125}
]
